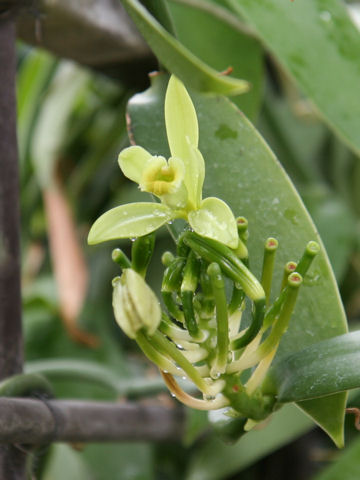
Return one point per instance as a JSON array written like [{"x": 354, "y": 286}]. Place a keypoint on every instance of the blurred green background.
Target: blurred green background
[{"x": 71, "y": 126}]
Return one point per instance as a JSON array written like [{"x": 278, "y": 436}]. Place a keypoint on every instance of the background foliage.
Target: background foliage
[{"x": 304, "y": 100}]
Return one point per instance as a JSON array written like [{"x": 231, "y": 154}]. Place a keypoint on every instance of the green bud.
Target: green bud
[
  {"x": 141, "y": 252},
  {"x": 135, "y": 304},
  {"x": 119, "y": 257}
]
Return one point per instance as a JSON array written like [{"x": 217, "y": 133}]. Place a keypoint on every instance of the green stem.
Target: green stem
[
  {"x": 289, "y": 268},
  {"x": 271, "y": 246},
  {"x": 141, "y": 253},
  {"x": 279, "y": 328},
  {"x": 153, "y": 354},
  {"x": 222, "y": 323},
  {"x": 237, "y": 298},
  {"x": 119, "y": 257},
  {"x": 162, "y": 344},
  {"x": 188, "y": 288},
  {"x": 189, "y": 314},
  {"x": 311, "y": 250},
  {"x": 230, "y": 264},
  {"x": 171, "y": 283},
  {"x": 254, "y": 328}
]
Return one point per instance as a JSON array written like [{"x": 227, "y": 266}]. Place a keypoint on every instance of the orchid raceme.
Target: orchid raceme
[
  {"x": 200, "y": 334},
  {"x": 177, "y": 182}
]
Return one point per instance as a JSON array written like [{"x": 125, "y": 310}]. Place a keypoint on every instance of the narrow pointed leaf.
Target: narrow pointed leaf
[
  {"x": 128, "y": 221},
  {"x": 178, "y": 59},
  {"x": 215, "y": 220}
]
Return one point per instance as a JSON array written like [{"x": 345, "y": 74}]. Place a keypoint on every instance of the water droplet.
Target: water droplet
[
  {"x": 224, "y": 132},
  {"x": 173, "y": 395},
  {"x": 133, "y": 239},
  {"x": 312, "y": 279},
  {"x": 291, "y": 215},
  {"x": 325, "y": 16},
  {"x": 214, "y": 373}
]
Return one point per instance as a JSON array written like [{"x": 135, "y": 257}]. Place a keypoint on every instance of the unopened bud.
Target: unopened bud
[{"x": 135, "y": 304}]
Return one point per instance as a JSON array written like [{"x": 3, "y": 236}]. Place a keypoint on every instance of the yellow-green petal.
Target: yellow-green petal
[
  {"x": 215, "y": 220},
  {"x": 133, "y": 161},
  {"x": 129, "y": 221},
  {"x": 180, "y": 118}
]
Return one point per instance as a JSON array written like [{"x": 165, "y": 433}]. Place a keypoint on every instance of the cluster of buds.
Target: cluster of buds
[
  {"x": 199, "y": 333},
  {"x": 224, "y": 344}
]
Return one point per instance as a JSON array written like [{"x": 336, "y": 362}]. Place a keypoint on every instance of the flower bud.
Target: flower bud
[{"x": 135, "y": 304}]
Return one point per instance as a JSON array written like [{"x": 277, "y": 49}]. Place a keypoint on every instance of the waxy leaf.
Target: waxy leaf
[
  {"x": 242, "y": 171},
  {"x": 319, "y": 45},
  {"x": 211, "y": 32},
  {"x": 318, "y": 370},
  {"x": 128, "y": 221},
  {"x": 178, "y": 59}
]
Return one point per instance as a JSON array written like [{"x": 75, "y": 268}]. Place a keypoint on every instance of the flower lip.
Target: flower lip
[{"x": 161, "y": 177}]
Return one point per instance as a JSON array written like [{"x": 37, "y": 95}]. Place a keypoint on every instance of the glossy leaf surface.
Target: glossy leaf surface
[
  {"x": 225, "y": 45},
  {"x": 317, "y": 43},
  {"x": 178, "y": 59},
  {"x": 242, "y": 171},
  {"x": 329, "y": 366}
]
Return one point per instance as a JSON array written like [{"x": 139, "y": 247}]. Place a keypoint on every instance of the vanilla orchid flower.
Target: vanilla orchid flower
[{"x": 177, "y": 182}]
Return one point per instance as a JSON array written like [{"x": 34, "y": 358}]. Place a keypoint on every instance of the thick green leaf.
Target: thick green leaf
[
  {"x": 241, "y": 170},
  {"x": 129, "y": 221},
  {"x": 177, "y": 59},
  {"x": 320, "y": 369},
  {"x": 316, "y": 41},
  {"x": 64, "y": 462},
  {"x": 215, "y": 460},
  {"x": 120, "y": 461},
  {"x": 218, "y": 39}
]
